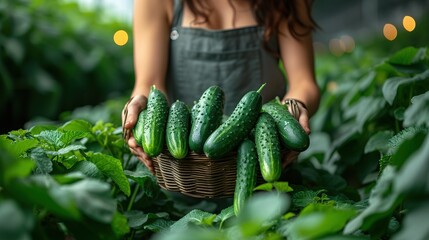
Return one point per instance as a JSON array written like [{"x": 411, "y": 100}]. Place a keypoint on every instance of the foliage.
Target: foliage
[
  {"x": 54, "y": 54},
  {"x": 365, "y": 175}
]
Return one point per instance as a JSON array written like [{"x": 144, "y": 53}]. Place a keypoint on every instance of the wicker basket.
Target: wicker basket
[{"x": 196, "y": 175}]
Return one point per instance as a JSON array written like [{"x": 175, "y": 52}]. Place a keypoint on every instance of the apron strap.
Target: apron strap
[{"x": 178, "y": 13}]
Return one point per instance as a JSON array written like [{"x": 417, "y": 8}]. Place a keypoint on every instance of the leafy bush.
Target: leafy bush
[
  {"x": 365, "y": 175},
  {"x": 55, "y": 57}
]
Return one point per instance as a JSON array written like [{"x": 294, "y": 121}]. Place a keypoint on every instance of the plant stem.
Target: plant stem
[{"x": 133, "y": 197}]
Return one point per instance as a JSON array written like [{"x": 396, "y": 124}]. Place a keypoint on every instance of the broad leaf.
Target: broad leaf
[
  {"x": 77, "y": 125},
  {"x": 112, "y": 168},
  {"x": 407, "y": 148},
  {"x": 224, "y": 215},
  {"x": 408, "y": 56},
  {"x": 415, "y": 224},
  {"x": 282, "y": 187},
  {"x": 379, "y": 142},
  {"x": 417, "y": 114},
  {"x": 136, "y": 218},
  {"x": 195, "y": 216},
  {"x": 43, "y": 163},
  {"x": 93, "y": 198},
  {"x": 264, "y": 187},
  {"x": 260, "y": 210},
  {"x": 392, "y": 85},
  {"x": 320, "y": 221},
  {"x": 365, "y": 110},
  {"x": 15, "y": 223},
  {"x": 66, "y": 150},
  {"x": 52, "y": 137},
  {"x": 158, "y": 225},
  {"x": 119, "y": 225}
]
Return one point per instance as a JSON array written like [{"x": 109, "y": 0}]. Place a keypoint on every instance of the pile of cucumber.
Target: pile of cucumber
[{"x": 256, "y": 131}]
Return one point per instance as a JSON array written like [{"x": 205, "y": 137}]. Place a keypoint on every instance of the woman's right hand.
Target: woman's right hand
[{"x": 130, "y": 115}]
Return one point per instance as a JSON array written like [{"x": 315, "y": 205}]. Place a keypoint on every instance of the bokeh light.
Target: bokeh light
[
  {"x": 390, "y": 32},
  {"x": 120, "y": 37},
  {"x": 409, "y": 23},
  {"x": 348, "y": 42},
  {"x": 336, "y": 46}
]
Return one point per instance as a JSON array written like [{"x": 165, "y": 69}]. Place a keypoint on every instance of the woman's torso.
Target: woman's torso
[{"x": 232, "y": 58}]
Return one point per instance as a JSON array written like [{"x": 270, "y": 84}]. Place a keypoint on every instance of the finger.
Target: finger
[{"x": 134, "y": 108}]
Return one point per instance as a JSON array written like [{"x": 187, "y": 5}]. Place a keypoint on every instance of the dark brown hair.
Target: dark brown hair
[{"x": 270, "y": 13}]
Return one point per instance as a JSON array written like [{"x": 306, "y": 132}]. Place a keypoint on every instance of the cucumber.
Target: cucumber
[
  {"x": 206, "y": 117},
  {"x": 236, "y": 128},
  {"x": 177, "y": 131},
  {"x": 268, "y": 148},
  {"x": 291, "y": 132},
  {"x": 138, "y": 128},
  {"x": 155, "y": 122},
  {"x": 246, "y": 174}
]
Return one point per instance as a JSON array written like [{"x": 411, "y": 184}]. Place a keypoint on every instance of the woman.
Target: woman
[{"x": 183, "y": 47}]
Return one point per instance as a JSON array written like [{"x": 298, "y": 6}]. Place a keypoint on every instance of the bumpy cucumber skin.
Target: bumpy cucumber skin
[
  {"x": 206, "y": 117},
  {"x": 291, "y": 132},
  {"x": 268, "y": 148},
  {"x": 246, "y": 174},
  {"x": 236, "y": 128},
  {"x": 177, "y": 131},
  {"x": 138, "y": 128},
  {"x": 155, "y": 122}
]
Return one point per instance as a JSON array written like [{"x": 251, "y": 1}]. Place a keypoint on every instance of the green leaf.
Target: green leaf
[
  {"x": 412, "y": 178},
  {"x": 120, "y": 225},
  {"x": 112, "y": 168},
  {"x": 158, "y": 225},
  {"x": 77, "y": 125},
  {"x": 282, "y": 187},
  {"x": 52, "y": 137},
  {"x": 15, "y": 223},
  {"x": 195, "y": 216},
  {"x": 401, "y": 137},
  {"x": 379, "y": 142},
  {"x": 417, "y": 113},
  {"x": 407, "y": 148},
  {"x": 68, "y": 137},
  {"x": 43, "y": 163},
  {"x": 264, "y": 187},
  {"x": 392, "y": 85},
  {"x": 320, "y": 221},
  {"x": 88, "y": 169},
  {"x": 66, "y": 150},
  {"x": 136, "y": 218},
  {"x": 408, "y": 56},
  {"x": 382, "y": 203},
  {"x": 224, "y": 215},
  {"x": 415, "y": 224},
  {"x": 146, "y": 180},
  {"x": 256, "y": 214},
  {"x": 93, "y": 198},
  {"x": 46, "y": 194},
  {"x": 302, "y": 199},
  {"x": 365, "y": 110}
]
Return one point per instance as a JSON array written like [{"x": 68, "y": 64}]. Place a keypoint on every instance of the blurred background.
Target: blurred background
[{"x": 63, "y": 59}]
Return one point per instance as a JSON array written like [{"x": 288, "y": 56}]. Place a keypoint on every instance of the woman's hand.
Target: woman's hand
[
  {"x": 300, "y": 112},
  {"x": 129, "y": 119}
]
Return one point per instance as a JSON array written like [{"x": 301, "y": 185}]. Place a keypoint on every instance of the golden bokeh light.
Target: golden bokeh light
[
  {"x": 390, "y": 32},
  {"x": 348, "y": 42},
  {"x": 336, "y": 46},
  {"x": 120, "y": 37},
  {"x": 409, "y": 23}
]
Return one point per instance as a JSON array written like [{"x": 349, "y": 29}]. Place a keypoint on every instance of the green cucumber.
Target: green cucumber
[
  {"x": 177, "y": 131},
  {"x": 237, "y": 127},
  {"x": 138, "y": 128},
  {"x": 206, "y": 117},
  {"x": 155, "y": 122},
  {"x": 246, "y": 174},
  {"x": 291, "y": 132},
  {"x": 268, "y": 148}
]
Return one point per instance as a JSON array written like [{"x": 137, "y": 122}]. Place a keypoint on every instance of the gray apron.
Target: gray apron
[{"x": 234, "y": 60}]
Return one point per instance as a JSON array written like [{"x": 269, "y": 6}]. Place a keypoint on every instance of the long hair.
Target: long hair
[{"x": 269, "y": 14}]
